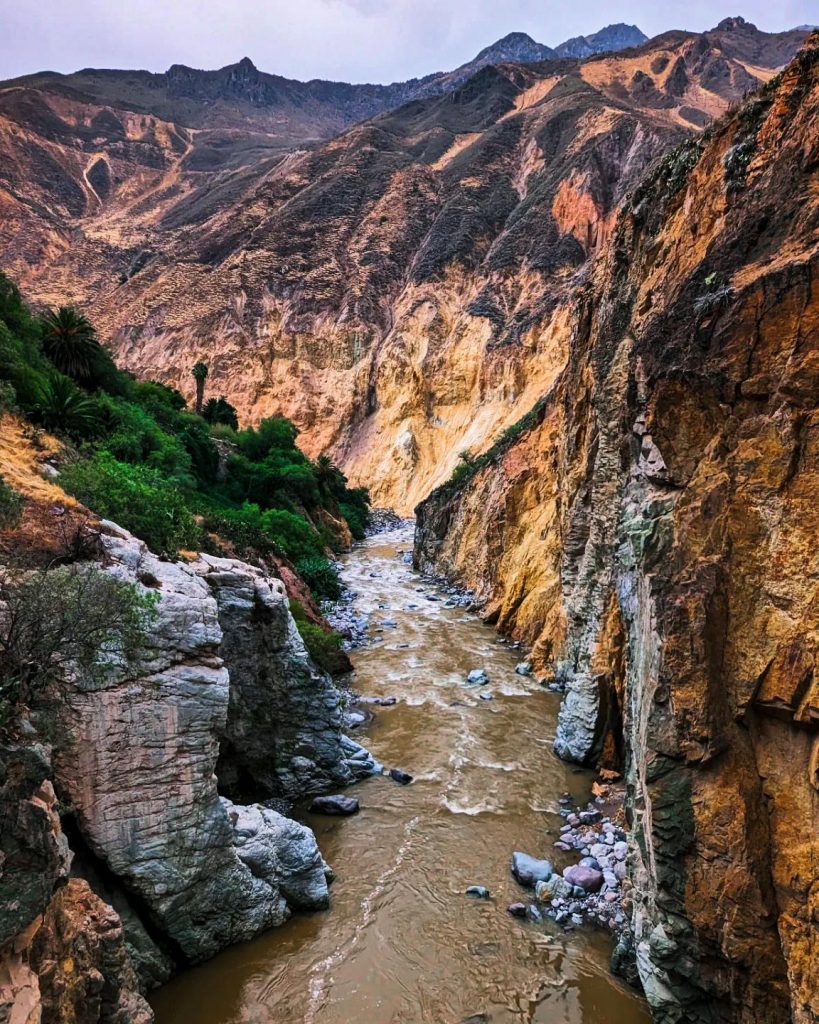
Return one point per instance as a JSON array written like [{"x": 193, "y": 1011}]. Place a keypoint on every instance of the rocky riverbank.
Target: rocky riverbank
[{"x": 227, "y": 703}]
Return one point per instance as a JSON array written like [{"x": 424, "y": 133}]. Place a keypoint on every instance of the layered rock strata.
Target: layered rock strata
[{"x": 651, "y": 532}]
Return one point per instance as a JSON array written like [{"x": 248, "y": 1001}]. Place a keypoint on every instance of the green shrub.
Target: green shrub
[
  {"x": 243, "y": 527},
  {"x": 8, "y": 397},
  {"x": 321, "y": 576},
  {"x": 74, "y": 617},
  {"x": 64, "y": 408},
  {"x": 356, "y": 518},
  {"x": 292, "y": 534},
  {"x": 219, "y": 410},
  {"x": 325, "y": 648},
  {"x": 11, "y": 505},
  {"x": 137, "y": 498}
]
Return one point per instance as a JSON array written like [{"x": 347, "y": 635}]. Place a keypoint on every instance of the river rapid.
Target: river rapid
[{"x": 402, "y": 943}]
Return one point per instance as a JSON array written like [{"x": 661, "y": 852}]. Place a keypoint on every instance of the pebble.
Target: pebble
[
  {"x": 523, "y": 668},
  {"x": 402, "y": 777},
  {"x": 480, "y": 892},
  {"x": 517, "y": 909},
  {"x": 477, "y": 677},
  {"x": 485, "y": 696}
]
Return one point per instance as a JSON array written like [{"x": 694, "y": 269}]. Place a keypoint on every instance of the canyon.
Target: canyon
[{"x": 562, "y": 304}]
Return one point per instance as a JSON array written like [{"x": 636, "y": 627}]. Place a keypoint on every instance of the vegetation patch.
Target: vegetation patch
[
  {"x": 470, "y": 465},
  {"x": 323, "y": 646},
  {"x": 142, "y": 458},
  {"x": 11, "y": 505},
  {"x": 73, "y": 619}
]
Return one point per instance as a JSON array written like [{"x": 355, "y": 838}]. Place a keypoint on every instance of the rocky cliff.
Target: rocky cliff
[
  {"x": 401, "y": 292},
  {"x": 168, "y": 870},
  {"x": 650, "y": 529}
]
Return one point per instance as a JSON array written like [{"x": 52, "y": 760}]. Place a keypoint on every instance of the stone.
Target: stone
[
  {"x": 590, "y": 862},
  {"x": 621, "y": 851},
  {"x": 278, "y": 700},
  {"x": 586, "y": 879},
  {"x": 517, "y": 910},
  {"x": 523, "y": 668},
  {"x": 335, "y": 805},
  {"x": 478, "y": 891},
  {"x": 477, "y": 677},
  {"x": 485, "y": 696},
  {"x": 402, "y": 777},
  {"x": 281, "y": 850},
  {"x": 529, "y": 870}
]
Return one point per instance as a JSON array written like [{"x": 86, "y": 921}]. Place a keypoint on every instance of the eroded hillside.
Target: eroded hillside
[{"x": 401, "y": 292}]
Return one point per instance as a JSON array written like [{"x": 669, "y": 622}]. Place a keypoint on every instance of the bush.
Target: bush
[
  {"x": 325, "y": 648},
  {"x": 64, "y": 408},
  {"x": 11, "y": 505},
  {"x": 136, "y": 497},
  {"x": 321, "y": 576},
  {"x": 8, "y": 397},
  {"x": 243, "y": 527},
  {"x": 356, "y": 518},
  {"x": 73, "y": 617},
  {"x": 291, "y": 534}
]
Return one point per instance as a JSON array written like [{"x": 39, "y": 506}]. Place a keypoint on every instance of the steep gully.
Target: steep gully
[{"x": 402, "y": 941}]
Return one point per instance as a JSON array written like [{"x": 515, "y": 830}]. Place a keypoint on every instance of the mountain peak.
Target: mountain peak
[
  {"x": 732, "y": 24},
  {"x": 619, "y": 36},
  {"x": 515, "y": 46}
]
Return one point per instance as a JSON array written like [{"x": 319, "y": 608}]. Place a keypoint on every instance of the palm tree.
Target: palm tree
[
  {"x": 62, "y": 406},
  {"x": 70, "y": 342},
  {"x": 199, "y": 372}
]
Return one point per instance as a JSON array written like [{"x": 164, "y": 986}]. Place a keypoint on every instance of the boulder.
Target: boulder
[
  {"x": 529, "y": 870},
  {"x": 335, "y": 805},
  {"x": 585, "y": 878}
]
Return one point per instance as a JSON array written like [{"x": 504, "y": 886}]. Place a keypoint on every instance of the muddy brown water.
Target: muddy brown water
[{"x": 401, "y": 943}]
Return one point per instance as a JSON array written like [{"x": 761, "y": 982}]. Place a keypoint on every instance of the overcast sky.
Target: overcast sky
[{"x": 349, "y": 40}]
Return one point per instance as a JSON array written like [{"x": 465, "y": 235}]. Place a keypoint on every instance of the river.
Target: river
[{"x": 401, "y": 943}]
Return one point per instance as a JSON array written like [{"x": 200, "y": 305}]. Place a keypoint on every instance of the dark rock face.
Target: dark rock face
[
  {"x": 62, "y": 950},
  {"x": 35, "y": 852},
  {"x": 283, "y": 731}
]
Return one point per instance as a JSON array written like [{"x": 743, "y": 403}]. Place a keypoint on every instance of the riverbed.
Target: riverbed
[{"x": 402, "y": 943}]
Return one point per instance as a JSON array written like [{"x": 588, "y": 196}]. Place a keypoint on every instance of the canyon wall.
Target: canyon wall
[{"x": 651, "y": 531}]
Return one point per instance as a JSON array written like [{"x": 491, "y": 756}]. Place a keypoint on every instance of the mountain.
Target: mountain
[
  {"x": 647, "y": 529},
  {"x": 393, "y": 290},
  {"x": 608, "y": 39},
  {"x": 280, "y": 112}
]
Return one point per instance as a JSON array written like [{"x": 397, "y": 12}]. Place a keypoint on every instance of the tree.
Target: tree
[
  {"x": 62, "y": 406},
  {"x": 73, "y": 618},
  {"x": 200, "y": 373},
  {"x": 219, "y": 410},
  {"x": 70, "y": 342}
]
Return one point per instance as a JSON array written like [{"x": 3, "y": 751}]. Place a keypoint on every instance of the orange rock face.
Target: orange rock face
[
  {"x": 673, "y": 470},
  {"x": 401, "y": 292}
]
